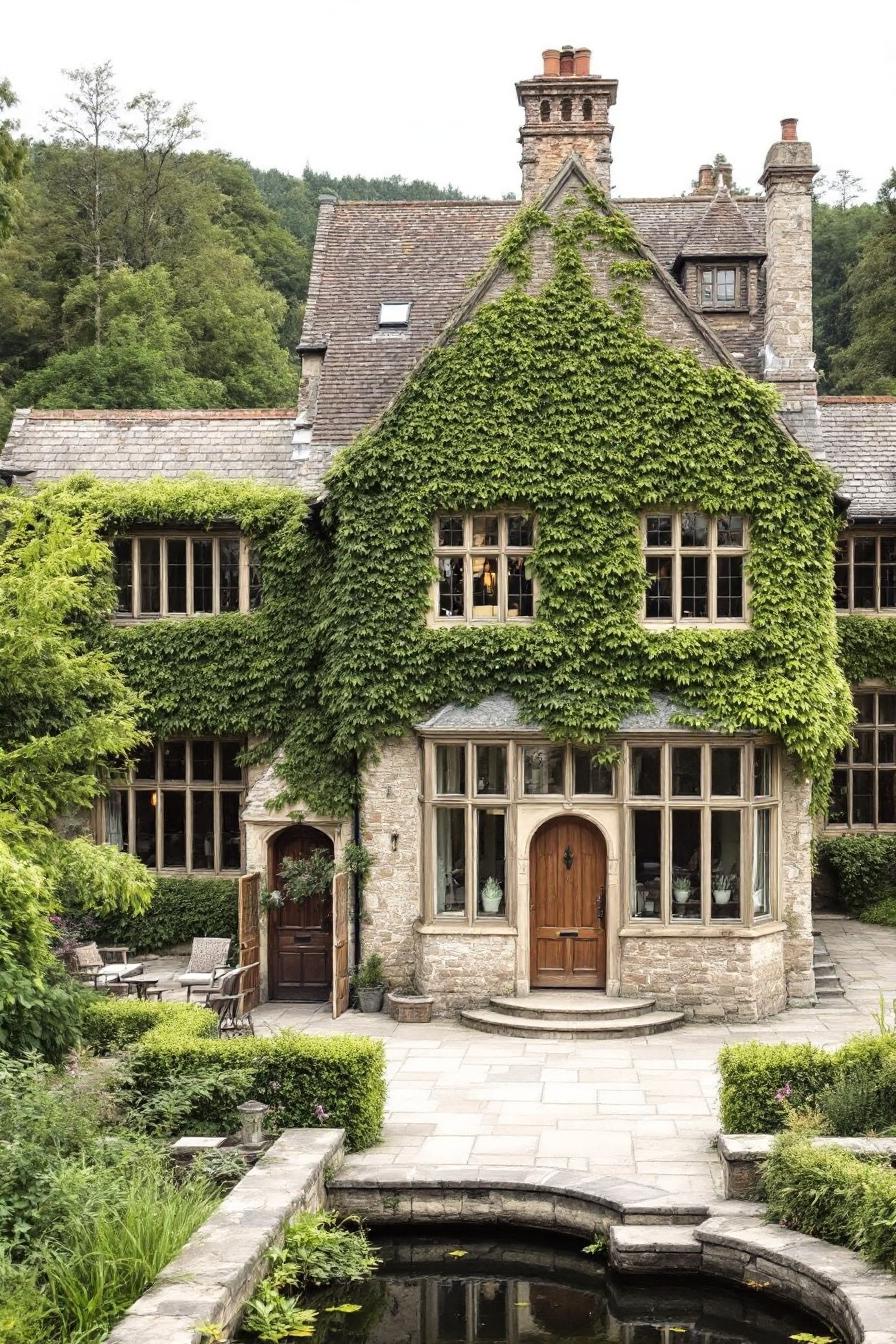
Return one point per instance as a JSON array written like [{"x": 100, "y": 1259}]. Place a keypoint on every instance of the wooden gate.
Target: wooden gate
[
  {"x": 250, "y": 941},
  {"x": 340, "y": 944}
]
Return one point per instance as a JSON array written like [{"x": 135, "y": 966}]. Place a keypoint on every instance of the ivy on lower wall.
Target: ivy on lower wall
[
  {"x": 867, "y": 648},
  {"x": 182, "y": 909}
]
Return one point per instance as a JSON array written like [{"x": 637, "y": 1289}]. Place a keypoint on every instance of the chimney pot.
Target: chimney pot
[
  {"x": 551, "y": 59},
  {"x": 704, "y": 177},
  {"x": 582, "y": 61},
  {"x": 788, "y": 128},
  {"x": 567, "y": 61}
]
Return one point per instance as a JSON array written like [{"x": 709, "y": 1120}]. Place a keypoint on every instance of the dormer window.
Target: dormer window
[
  {"x": 718, "y": 287},
  {"x": 395, "y": 315}
]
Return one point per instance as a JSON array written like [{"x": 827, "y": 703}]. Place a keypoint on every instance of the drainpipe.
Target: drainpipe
[{"x": 356, "y": 879}]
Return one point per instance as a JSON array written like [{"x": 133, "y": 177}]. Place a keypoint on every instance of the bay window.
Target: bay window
[{"x": 701, "y": 830}]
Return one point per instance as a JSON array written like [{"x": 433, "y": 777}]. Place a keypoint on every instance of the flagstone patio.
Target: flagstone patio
[{"x": 643, "y": 1107}]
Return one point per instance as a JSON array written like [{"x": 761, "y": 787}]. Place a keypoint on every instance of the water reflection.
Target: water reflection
[{"x": 529, "y": 1291}]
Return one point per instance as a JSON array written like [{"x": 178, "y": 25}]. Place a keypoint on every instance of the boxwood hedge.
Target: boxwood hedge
[
  {"x": 183, "y": 908},
  {"x": 307, "y": 1081}
]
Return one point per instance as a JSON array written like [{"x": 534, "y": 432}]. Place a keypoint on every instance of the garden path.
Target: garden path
[{"x": 644, "y": 1107}]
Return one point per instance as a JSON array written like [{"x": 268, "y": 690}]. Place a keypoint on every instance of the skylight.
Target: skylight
[{"x": 395, "y": 314}]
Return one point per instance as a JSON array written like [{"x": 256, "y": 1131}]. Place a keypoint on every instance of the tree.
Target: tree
[
  {"x": 12, "y": 161},
  {"x": 142, "y": 360},
  {"x": 844, "y": 188},
  {"x": 838, "y": 234},
  {"x": 868, "y": 363},
  {"x": 154, "y": 136},
  {"x": 65, "y": 716}
]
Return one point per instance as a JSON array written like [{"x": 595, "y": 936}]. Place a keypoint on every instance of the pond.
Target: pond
[{"x": 469, "y": 1287}]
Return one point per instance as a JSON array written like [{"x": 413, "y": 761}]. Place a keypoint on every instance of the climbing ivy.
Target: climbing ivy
[
  {"x": 548, "y": 397},
  {"x": 867, "y": 648}
]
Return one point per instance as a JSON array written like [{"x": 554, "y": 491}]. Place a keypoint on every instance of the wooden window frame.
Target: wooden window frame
[
  {"x": 746, "y": 804},
  {"x": 712, "y": 552},
  {"x": 246, "y": 560},
  {"x": 847, "y": 541},
  {"x": 738, "y": 303},
  {"x": 218, "y": 786},
  {"x": 502, "y": 550},
  {"x": 874, "y": 768}
]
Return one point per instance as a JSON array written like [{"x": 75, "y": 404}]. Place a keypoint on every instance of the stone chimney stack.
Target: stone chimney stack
[
  {"x": 566, "y": 112},
  {"x": 789, "y": 360}
]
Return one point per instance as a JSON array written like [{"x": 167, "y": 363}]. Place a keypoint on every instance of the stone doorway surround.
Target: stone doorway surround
[{"x": 263, "y": 821}]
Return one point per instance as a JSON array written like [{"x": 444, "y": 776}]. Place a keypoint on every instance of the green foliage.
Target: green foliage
[
  {"x": 881, "y": 912},
  {"x": 306, "y": 878},
  {"x": 12, "y": 160},
  {"x": 182, "y": 908},
  {"x": 174, "y": 1053},
  {"x": 829, "y": 1193},
  {"x": 863, "y": 867},
  {"x": 753, "y": 1075},
  {"x": 320, "y": 1249},
  {"x": 763, "y": 1086},
  {"x": 371, "y": 974},
  {"x": 837, "y": 237},
  {"x": 868, "y": 362},
  {"x": 272, "y": 1316}
]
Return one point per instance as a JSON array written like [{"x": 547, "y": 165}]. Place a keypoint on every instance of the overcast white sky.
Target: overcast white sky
[{"x": 406, "y": 86}]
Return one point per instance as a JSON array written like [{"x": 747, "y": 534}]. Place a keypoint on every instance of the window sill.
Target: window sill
[
  {"x": 728, "y": 929},
  {"x": 498, "y": 927},
  {"x": 691, "y": 623},
  {"x": 118, "y": 619}
]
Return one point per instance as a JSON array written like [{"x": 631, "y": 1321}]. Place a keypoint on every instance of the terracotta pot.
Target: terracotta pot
[{"x": 410, "y": 1007}]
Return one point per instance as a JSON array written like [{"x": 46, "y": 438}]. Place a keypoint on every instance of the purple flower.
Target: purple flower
[
  {"x": 320, "y": 1114},
  {"x": 783, "y": 1093}
]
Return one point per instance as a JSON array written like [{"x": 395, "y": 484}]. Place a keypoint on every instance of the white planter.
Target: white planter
[
  {"x": 721, "y": 895},
  {"x": 491, "y": 905},
  {"x": 681, "y": 894}
]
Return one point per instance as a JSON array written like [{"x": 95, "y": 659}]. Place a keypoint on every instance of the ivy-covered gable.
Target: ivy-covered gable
[{"x": 552, "y": 393}]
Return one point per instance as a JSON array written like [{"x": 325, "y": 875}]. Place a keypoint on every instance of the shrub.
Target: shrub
[
  {"x": 109, "y": 1025},
  {"x": 863, "y": 866},
  {"x": 832, "y": 1194},
  {"x": 853, "y": 1087},
  {"x": 183, "y": 908},
  {"x": 881, "y": 912},
  {"x": 752, "y": 1076},
  {"x": 179, "y": 1075}
]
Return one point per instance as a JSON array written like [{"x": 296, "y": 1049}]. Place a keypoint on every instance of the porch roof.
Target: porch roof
[{"x": 501, "y": 713}]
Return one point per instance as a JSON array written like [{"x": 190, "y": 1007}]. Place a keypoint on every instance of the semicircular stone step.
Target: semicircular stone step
[
  {"x": 572, "y": 1029},
  {"x": 562, "y": 1006}
]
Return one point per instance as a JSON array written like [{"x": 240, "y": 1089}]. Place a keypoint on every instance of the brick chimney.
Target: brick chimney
[
  {"x": 566, "y": 112},
  {"x": 789, "y": 360}
]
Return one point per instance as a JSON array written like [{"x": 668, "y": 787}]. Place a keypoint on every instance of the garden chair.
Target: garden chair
[
  {"x": 104, "y": 966},
  {"x": 208, "y": 962},
  {"x": 229, "y": 1000}
]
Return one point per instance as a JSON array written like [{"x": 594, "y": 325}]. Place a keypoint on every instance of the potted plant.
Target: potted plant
[
  {"x": 407, "y": 1004},
  {"x": 681, "y": 888},
  {"x": 491, "y": 896},
  {"x": 722, "y": 888},
  {"x": 369, "y": 983},
  {"x": 305, "y": 878}
]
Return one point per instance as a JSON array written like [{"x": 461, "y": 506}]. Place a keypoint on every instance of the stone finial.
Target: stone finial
[{"x": 252, "y": 1114}]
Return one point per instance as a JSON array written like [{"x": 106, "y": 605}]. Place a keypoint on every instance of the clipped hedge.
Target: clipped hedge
[
  {"x": 863, "y": 868},
  {"x": 307, "y": 1081},
  {"x": 881, "y": 912},
  {"x": 762, "y": 1084},
  {"x": 832, "y": 1194},
  {"x": 182, "y": 909}
]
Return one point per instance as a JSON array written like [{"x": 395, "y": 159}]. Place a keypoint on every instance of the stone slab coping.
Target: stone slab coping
[
  {"x": 225, "y": 1259},
  {"x": 839, "y": 1285},
  {"x": 757, "y": 1147},
  {"x": 199, "y": 1144},
  {"x": 624, "y": 1198}
]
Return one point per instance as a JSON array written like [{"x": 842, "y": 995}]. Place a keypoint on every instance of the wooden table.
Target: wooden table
[{"x": 145, "y": 986}]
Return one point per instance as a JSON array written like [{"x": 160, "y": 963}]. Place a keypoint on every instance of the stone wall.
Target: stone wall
[
  {"x": 465, "y": 970},
  {"x": 392, "y": 891},
  {"x": 722, "y": 975},
  {"x": 796, "y": 885}
]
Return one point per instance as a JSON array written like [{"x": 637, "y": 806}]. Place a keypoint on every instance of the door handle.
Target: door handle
[{"x": 601, "y": 904}]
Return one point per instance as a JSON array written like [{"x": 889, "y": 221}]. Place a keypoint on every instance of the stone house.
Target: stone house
[{"x": 504, "y": 860}]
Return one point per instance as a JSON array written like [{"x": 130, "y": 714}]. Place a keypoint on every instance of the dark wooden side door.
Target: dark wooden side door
[
  {"x": 567, "y": 903},
  {"x": 300, "y": 936}
]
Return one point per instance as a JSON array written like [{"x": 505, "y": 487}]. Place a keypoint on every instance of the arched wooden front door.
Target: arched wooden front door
[
  {"x": 567, "y": 905},
  {"x": 300, "y": 936}
]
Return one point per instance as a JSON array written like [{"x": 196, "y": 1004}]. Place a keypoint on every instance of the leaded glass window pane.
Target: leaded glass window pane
[
  {"x": 451, "y": 585},
  {"x": 203, "y": 576},
  {"x": 450, "y": 894},
  {"x": 659, "y": 529},
  {"x": 694, "y": 529},
  {"x": 485, "y": 587},
  {"x": 485, "y": 529},
  {"x": 725, "y": 286},
  {"x": 730, "y": 529},
  {"x": 686, "y": 772},
  {"x": 762, "y": 830},
  {"x": 729, "y": 587},
  {"x": 174, "y": 759},
  {"x": 590, "y": 776},
  {"x": 725, "y": 864},
  {"x": 490, "y": 858},
  {"x": 123, "y": 561},
  {"x": 203, "y": 847},
  {"x": 646, "y": 865},
  {"x": 451, "y": 769},
  {"x": 520, "y": 589},
  {"x": 150, "y": 576},
  {"x": 229, "y": 570},
  {"x": 659, "y": 602},
  {"x": 174, "y": 829},
  {"x": 646, "y": 766},
  {"x": 695, "y": 586},
  {"x": 491, "y": 770},
  {"x": 451, "y": 530},
  {"x": 176, "y": 564},
  {"x": 726, "y": 781},
  {"x": 686, "y": 863},
  {"x": 145, "y": 826},
  {"x": 520, "y": 529},
  {"x": 231, "y": 847},
  {"x": 542, "y": 770}
]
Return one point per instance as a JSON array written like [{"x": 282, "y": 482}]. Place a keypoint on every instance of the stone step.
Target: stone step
[
  {"x": 574, "y": 1029},
  {"x": 563, "y": 1006},
  {"x": 820, "y": 963},
  {"x": 826, "y": 977},
  {"x": 830, "y": 992},
  {"x": 652, "y": 1246}
]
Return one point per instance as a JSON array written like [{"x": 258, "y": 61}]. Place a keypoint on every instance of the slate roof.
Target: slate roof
[
  {"x": 858, "y": 435},
  {"x": 129, "y": 445},
  {"x": 427, "y": 252},
  {"x": 722, "y": 231},
  {"x": 501, "y": 713}
]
